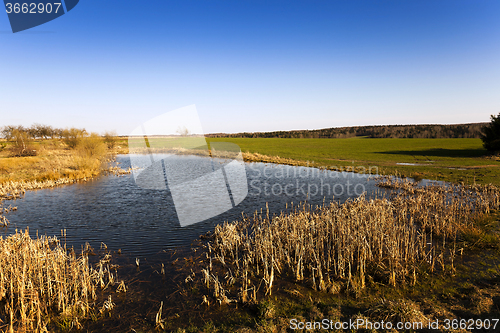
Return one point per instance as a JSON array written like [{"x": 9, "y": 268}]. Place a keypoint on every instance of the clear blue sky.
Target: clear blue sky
[{"x": 252, "y": 65}]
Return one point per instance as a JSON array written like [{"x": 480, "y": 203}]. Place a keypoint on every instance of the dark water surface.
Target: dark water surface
[{"x": 141, "y": 223}]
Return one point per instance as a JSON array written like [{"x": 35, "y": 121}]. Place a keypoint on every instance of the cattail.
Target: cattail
[
  {"x": 39, "y": 278},
  {"x": 392, "y": 233}
]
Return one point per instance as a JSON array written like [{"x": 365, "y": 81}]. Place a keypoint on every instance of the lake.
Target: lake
[{"x": 143, "y": 222}]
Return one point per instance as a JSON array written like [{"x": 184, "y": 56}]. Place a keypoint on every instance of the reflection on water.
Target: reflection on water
[{"x": 142, "y": 222}]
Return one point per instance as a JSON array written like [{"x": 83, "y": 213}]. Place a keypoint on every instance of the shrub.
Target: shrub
[
  {"x": 21, "y": 143},
  {"x": 91, "y": 153},
  {"x": 109, "y": 138},
  {"x": 7, "y": 131},
  {"x": 91, "y": 146},
  {"x": 73, "y": 135},
  {"x": 491, "y": 134}
]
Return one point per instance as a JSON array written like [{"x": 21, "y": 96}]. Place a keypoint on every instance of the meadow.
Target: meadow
[{"x": 454, "y": 160}]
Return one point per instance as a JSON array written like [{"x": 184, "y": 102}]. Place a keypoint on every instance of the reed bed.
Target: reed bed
[
  {"x": 341, "y": 246},
  {"x": 16, "y": 189},
  {"x": 41, "y": 280},
  {"x": 3, "y": 220},
  {"x": 256, "y": 157}
]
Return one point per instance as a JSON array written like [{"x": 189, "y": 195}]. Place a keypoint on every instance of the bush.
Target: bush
[
  {"x": 21, "y": 143},
  {"x": 91, "y": 146},
  {"x": 91, "y": 153},
  {"x": 6, "y": 132},
  {"x": 491, "y": 134},
  {"x": 109, "y": 139},
  {"x": 72, "y": 136}
]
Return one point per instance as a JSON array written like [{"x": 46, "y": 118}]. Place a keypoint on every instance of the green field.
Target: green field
[{"x": 455, "y": 160}]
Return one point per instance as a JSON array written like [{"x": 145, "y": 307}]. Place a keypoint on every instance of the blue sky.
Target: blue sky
[{"x": 252, "y": 65}]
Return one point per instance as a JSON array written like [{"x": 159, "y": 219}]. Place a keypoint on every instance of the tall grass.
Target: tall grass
[
  {"x": 40, "y": 280},
  {"x": 386, "y": 239},
  {"x": 79, "y": 157}
]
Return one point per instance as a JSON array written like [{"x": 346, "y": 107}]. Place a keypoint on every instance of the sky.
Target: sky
[{"x": 254, "y": 65}]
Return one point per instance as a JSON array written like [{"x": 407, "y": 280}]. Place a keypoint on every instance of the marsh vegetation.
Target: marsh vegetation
[
  {"x": 45, "y": 286},
  {"x": 334, "y": 247},
  {"x": 404, "y": 256},
  {"x": 41, "y": 156}
]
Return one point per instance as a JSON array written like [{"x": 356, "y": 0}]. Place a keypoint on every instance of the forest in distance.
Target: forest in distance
[{"x": 431, "y": 131}]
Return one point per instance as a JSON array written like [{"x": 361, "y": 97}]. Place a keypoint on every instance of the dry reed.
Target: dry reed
[
  {"x": 3, "y": 220},
  {"x": 256, "y": 157},
  {"x": 390, "y": 239},
  {"x": 40, "y": 280},
  {"x": 16, "y": 189}
]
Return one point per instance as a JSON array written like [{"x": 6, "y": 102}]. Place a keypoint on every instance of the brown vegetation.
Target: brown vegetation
[
  {"x": 29, "y": 163},
  {"x": 73, "y": 136},
  {"x": 110, "y": 138},
  {"x": 40, "y": 282},
  {"x": 21, "y": 144},
  {"x": 341, "y": 246}
]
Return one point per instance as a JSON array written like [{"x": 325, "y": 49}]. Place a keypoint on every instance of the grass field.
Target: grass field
[{"x": 454, "y": 160}]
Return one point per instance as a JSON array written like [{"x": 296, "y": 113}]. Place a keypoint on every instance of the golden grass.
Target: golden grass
[
  {"x": 54, "y": 161},
  {"x": 40, "y": 280},
  {"x": 389, "y": 240},
  {"x": 56, "y": 164}
]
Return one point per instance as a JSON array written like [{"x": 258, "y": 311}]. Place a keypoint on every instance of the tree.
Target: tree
[
  {"x": 73, "y": 135},
  {"x": 21, "y": 143},
  {"x": 491, "y": 134},
  {"x": 7, "y": 132},
  {"x": 182, "y": 131},
  {"x": 109, "y": 138},
  {"x": 42, "y": 131}
]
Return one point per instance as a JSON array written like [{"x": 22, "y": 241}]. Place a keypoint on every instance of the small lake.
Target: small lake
[{"x": 143, "y": 222}]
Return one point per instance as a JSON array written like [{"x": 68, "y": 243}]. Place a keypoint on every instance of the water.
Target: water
[{"x": 142, "y": 223}]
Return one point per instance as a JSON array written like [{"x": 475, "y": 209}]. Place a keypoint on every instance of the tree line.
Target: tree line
[
  {"x": 473, "y": 130},
  {"x": 21, "y": 137},
  {"x": 39, "y": 131}
]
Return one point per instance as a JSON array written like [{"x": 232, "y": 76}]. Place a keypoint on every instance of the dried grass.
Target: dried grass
[
  {"x": 390, "y": 239},
  {"x": 40, "y": 280}
]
